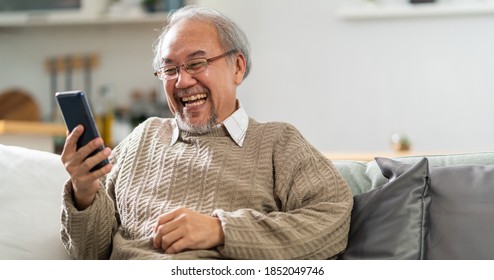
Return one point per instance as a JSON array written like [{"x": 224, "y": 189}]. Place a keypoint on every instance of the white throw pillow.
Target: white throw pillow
[{"x": 31, "y": 184}]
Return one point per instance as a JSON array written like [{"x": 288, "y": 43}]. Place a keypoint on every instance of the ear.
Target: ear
[{"x": 240, "y": 65}]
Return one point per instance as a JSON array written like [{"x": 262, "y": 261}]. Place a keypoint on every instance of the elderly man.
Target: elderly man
[{"x": 210, "y": 183}]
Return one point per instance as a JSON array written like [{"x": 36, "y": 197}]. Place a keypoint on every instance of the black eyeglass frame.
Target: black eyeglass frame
[{"x": 208, "y": 61}]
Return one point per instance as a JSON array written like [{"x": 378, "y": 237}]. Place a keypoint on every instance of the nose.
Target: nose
[{"x": 184, "y": 79}]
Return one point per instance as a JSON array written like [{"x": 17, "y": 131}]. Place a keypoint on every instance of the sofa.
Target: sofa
[
  {"x": 393, "y": 218},
  {"x": 438, "y": 207}
]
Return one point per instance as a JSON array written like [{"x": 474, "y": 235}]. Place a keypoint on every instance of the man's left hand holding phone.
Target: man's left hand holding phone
[{"x": 84, "y": 155}]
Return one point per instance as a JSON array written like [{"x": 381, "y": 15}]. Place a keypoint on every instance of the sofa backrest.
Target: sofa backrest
[{"x": 363, "y": 176}]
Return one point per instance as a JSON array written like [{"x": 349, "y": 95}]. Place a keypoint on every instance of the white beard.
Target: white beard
[{"x": 197, "y": 128}]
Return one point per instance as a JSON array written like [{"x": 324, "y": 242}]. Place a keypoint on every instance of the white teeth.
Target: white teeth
[
  {"x": 194, "y": 100},
  {"x": 198, "y": 102},
  {"x": 193, "y": 97}
]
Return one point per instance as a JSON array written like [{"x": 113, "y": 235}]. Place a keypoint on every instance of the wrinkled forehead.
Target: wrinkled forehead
[{"x": 188, "y": 38}]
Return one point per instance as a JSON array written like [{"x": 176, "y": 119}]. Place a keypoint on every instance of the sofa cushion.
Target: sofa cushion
[
  {"x": 461, "y": 212},
  {"x": 31, "y": 184},
  {"x": 390, "y": 222}
]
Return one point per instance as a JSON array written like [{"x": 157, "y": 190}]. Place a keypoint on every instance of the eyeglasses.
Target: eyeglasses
[{"x": 192, "y": 66}]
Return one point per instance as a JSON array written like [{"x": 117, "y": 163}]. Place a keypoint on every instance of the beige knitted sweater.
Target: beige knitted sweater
[{"x": 276, "y": 196}]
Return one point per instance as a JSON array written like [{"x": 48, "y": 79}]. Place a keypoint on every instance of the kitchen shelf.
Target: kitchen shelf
[
  {"x": 31, "y": 134},
  {"x": 376, "y": 11},
  {"x": 76, "y": 19},
  {"x": 32, "y": 128}
]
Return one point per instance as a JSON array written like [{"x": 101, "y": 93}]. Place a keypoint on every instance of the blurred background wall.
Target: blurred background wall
[{"x": 347, "y": 85}]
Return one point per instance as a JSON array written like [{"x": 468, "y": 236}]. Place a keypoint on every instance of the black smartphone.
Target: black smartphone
[{"x": 75, "y": 110}]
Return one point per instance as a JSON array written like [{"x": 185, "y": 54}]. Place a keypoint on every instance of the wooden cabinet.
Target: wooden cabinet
[{"x": 33, "y": 135}]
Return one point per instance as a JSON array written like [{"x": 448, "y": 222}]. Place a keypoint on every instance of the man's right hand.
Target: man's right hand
[{"x": 85, "y": 183}]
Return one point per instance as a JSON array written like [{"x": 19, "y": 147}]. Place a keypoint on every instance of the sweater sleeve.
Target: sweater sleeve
[
  {"x": 88, "y": 234},
  {"x": 313, "y": 217}
]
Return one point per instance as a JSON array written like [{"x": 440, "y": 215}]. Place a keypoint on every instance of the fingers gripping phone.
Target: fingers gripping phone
[{"x": 75, "y": 110}]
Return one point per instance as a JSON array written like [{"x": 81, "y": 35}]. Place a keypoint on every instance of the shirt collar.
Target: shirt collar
[{"x": 236, "y": 125}]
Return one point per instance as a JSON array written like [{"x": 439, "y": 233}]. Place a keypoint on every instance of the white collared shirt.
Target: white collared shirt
[{"x": 236, "y": 125}]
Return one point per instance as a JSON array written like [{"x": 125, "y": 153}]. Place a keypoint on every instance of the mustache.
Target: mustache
[{"x": 190, "y": 91}]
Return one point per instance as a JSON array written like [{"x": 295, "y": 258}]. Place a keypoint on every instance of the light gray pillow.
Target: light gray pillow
[
  {"x": 390, "y": 222},
  {"x": 354, "y": 174},
  {"x": 461, "y": 212}
]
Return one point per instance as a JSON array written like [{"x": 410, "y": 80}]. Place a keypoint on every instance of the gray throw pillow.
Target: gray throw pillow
[
  {"x": 390, "y": 222},
  {"x": 461, "y": 212}
]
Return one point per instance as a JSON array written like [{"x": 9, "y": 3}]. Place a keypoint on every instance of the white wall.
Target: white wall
[{"x": 347, "y": 85}]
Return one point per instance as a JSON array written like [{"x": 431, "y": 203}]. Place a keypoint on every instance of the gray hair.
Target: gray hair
[{"x": 230, "y": 35}]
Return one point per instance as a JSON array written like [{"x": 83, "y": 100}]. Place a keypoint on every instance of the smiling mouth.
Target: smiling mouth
[{"x": 194, "y": 100}]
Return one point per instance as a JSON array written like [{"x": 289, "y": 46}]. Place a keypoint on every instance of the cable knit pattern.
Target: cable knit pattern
[{"x": 277, "y": 197}]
